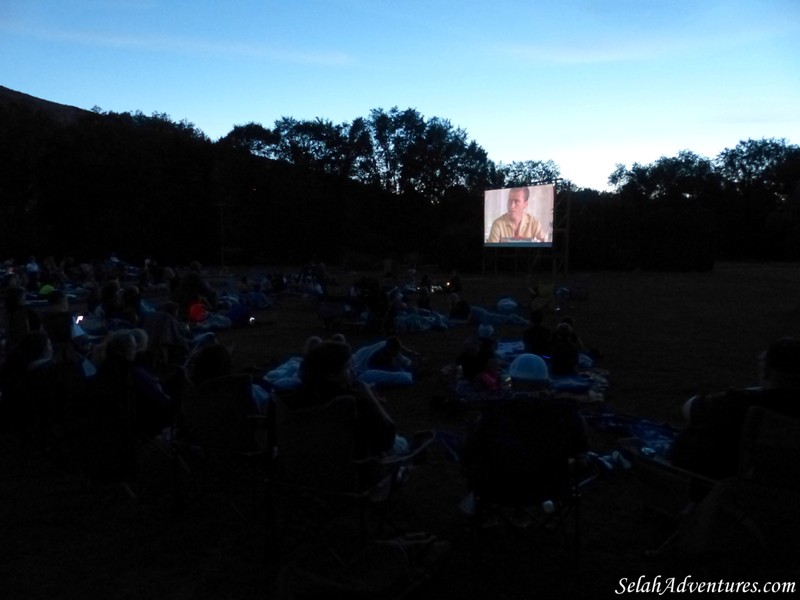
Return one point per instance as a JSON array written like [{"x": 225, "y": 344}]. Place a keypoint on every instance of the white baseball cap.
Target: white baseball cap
[{"x": 529, "y": 367}]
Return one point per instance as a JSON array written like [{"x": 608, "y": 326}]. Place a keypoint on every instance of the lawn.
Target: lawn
[{"x": 661, "y": 337}]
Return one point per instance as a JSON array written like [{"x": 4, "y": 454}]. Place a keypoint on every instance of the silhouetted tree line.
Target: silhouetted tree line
[{"x": 392, "y": 184}]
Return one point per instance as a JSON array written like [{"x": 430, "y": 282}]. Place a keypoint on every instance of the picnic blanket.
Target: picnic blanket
[{"x": 286, "y": 376}]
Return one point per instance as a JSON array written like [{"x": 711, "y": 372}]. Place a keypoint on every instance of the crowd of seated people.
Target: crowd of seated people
[
  {"x": 36, "y": 278},
  {"x": 90, "y": 393},
  {"x": 99, "y": 398},
  {"x": 91, "y": 399},
  {"x": 385, "y": 363},
  {"x": 528, "y": 379},
  {"x": 481, "y": 368},
  {"x": 561, "y": 346},
  {"x": 93, "y": 416},
  {"x": 406, "y": 313},
  {"x": 252, "y": 294}
]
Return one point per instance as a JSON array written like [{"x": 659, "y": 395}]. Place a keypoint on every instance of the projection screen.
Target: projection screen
[{"x": 520, "y": 216}]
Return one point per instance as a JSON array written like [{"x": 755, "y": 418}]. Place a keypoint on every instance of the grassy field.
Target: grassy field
[{"x": 661, "y": 337}]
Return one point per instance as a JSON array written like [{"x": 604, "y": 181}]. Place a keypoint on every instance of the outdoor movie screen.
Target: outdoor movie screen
[{"x": 520, "y": 216}]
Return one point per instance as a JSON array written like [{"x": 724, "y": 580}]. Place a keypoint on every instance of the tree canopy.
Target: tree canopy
[{"x": 391, "y": 183}]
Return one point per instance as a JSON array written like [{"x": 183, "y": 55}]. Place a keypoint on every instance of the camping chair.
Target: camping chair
[
  {"x": 218, "y": 434},
  {"x": 521, "y": 464},
  {"x": 668, "y": 491},
  {"x": 767, "y": 457},
  {"x": 751, "y": 519},
  {"x": 316, "y": 474}
]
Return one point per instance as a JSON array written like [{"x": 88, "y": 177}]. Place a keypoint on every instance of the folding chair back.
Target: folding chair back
[
  {"x": 770, "y": 451},
  {"x": 217, "y": 415},
  {"x": 522, "y": 451},
  {"x": 519, "y": 462},
  {"x": 750, "y": 521},
  {"x": 222, "y": 444},
  {"x": 167, "y": 344},
  {"x": 315, "y": 445}
]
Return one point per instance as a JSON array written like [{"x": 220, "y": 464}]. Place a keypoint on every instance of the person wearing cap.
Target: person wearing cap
[
  {"x": 709, "y": 444},
  {"x": 529, "y": 382},
  {"x": 529, "y": 373}
]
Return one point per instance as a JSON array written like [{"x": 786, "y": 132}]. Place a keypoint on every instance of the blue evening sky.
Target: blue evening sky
[{"x": 585, "y": 83}]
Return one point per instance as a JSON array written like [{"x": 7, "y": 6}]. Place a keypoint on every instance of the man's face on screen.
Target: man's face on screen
[{"x": 517, "y": 204}]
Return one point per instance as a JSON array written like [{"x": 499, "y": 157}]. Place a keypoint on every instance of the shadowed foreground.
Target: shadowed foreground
[{"x": 661, "y": 337}]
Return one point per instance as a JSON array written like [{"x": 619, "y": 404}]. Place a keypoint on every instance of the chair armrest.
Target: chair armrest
[
  {"x": 421, "y": 441},
  {"x": 632, "y": 446}
]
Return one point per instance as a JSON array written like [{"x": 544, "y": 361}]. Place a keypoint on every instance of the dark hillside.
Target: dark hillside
[{"x": 62, "y": 114}]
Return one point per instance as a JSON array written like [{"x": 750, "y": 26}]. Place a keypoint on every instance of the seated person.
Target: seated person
[
  {"x": 214, "y": 361},
  {"x": 24, "y": 368},
  {"x": 202, "y": 319},
  {"x": 529, "y": 373},
  {"x": 244, "y": 287},
  {"x": 192, "y": 284},
  {"x": 475, "y": 356},
  {"x": 489, "y": 378},
  {"x": 537, "y": 336},
  {"x": 393, "y": 357},
  {"x": 459, "y": 308},
  {"x": 573, "y": 335},
  {"x": 286, "y": 376},
  {"x": 410, "y": 316},
  {"x": 110, "y": 305},
  {"x": 18, "y": 317},
  {"x": 326, "y": 374},
  {"x": 425, "y": 293},
  {"x": 710, "y": 442},
  {"x": 170, "y": 340},
  {"x": 497, "y": 429},
  {"x": 256, "y": 298},
  {"x": 563, "y": 352},
  {"x": 70, "y": 341},
  {"x": 156, "y": 406}
]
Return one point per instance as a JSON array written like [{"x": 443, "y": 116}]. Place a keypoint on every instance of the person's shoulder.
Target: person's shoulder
[
  {"x": 784, "y": 401},
  {"x": 502, "y": 218},
  {"x": 726, "y": 404},
  {"x": 748, "y": 395}
]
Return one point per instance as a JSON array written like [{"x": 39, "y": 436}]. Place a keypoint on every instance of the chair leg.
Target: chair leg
[
  {"x": 663, "y": 547},
  {"x": 576, "y": 550}
]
